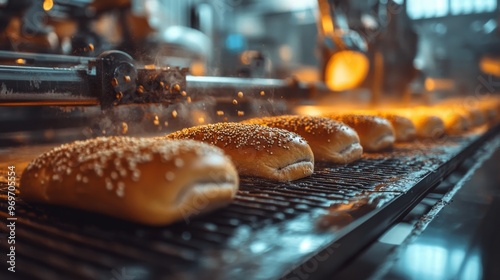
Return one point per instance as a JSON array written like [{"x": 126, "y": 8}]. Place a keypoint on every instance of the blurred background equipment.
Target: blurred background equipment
[
  {"x": 278, "y": 54},
  {"x": 77, "y": 69}
]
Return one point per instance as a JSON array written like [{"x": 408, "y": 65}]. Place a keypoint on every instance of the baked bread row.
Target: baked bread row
[{"x": 160, "y": 180}]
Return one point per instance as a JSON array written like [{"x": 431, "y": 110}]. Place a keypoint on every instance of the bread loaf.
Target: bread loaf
[
  {"x": 256, "y": 150},
  {"x": 330, "y": 141},
  {"x": 455, "y": 121},
  {"x": 142, "y": 180},
  {"x": 426, "y": 125},
  {"x": 404, "y": 129},
  {"x": 375, "y": 133}
]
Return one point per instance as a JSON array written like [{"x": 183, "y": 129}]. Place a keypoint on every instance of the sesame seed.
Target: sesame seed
[
  {"x": 179, "y": 162},
  {"x": 136, "y": 175},
  {"x": 123, "y": 172},
  {"x": 169, "y": 176},
  {"x": 109, "y": 184},
  {"x": 120, "y": 189},
  {"x": 99, "y": 172},
  {"x": 301, "y": 124}
]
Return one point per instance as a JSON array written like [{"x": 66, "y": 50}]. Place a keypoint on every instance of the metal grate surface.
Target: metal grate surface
[{"x": 268, "y": 231}]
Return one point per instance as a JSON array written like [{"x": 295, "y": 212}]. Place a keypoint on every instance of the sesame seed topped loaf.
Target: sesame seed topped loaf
[
  {"x": 137, "y": 179},
  {"x": 375, "y": 133},
  {"x": 260, "y": 151},
  {"x": 330, "y": 141}
]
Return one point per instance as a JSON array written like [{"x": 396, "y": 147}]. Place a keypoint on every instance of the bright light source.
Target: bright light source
[
  {"x": 346, "y": 70},
  {"x": 48, "y": 4},
  {"x": 490, "y": 65}
]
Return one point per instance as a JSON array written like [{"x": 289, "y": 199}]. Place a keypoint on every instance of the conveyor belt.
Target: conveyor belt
[{"x": 303, "y": 228}]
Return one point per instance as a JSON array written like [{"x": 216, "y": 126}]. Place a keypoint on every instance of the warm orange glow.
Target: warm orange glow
[
  {"x": 346, "y": 70},
  {"x": 21, "y": 61},
  {"x": 306, "y": 74},
  {"x": 48, "y": 4},
  {"x": 150, "y": 66},
  {"x": 432, "y": 84},
  {"x": 490, "y": 65},
  {"x": 197, "y": 68},
  {"x": 313, "y": 110},
  {"x": 325, "y": 18}
]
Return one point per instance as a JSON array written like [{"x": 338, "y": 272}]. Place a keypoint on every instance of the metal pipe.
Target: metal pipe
[
  {"x": 44, "y": 86},
  {"x": 42, "y": 59}
]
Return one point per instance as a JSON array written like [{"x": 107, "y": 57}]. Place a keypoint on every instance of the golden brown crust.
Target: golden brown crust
[
  {"x": 330, "y": 140},
  {"x": 491, "y": 105},
  {"x": 469, "y": 107},
  {"x": 403, "y": 127},
  {"x": 142, "y": 180},
  {"x": 256, "y": 150},
  {"x": 455, "y": 121},
  {"x": 426, "y": 125},
  {"x": 375, "y": 133}
]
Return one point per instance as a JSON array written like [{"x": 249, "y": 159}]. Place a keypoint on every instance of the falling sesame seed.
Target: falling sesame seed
[
  {"x": 174, "y": 113},
  {"x": 235, "y": 102},
  {"x": 156, "y": 121},
  {"x": 220, "y": 113},
  {"x": 124, "y": 128},
  {"x": 240, "y": 94},
  {"x": 241, "y": 113}
]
